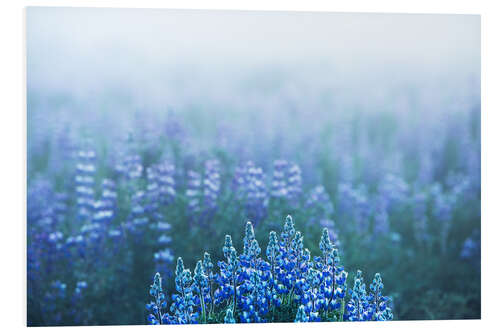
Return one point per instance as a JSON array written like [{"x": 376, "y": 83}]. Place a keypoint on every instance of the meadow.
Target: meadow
[{"x": 117, "y": 194}]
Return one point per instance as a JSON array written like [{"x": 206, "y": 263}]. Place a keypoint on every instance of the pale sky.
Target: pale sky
[{"x": 82, "y": 51}]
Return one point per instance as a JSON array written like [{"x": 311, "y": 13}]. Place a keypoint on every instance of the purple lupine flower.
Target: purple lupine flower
[
  {"x": 163, "y": 259},
  {"x": 319, "y": 202},
  {"x": 160, "y": 190},
  {"x": 354, "y": 205},
  {"x": 279, "y": 188},
  {"x": 174, "y": 129},
  {"x": 294, "y": 182},
  {"x": 394, "y": 190},
  {"x": 166, "y": 182},
  {"x": 193, "y": 191},
  {"x": 84, "y": 180},
  {"x": 287, "y": 181},
  {"x": 250, "y": 187},
  {"x": 211, "y": 185},
  {"x": 471, "y": 248},
  {"x": 152, "y": 190},
  {"x": 138, "y": 219},
  {"x": 332, "y": 231},
  {"x": 105, "y": 207},
  {"x": 60, "y": 206},
  {"x": 130, "y": 167}
]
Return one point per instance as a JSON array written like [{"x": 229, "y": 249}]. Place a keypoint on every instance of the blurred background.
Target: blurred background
[{"x": 153, "y": 133}]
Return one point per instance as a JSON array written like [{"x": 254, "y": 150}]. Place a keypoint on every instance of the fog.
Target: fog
[{"x": 159, "y": 57}]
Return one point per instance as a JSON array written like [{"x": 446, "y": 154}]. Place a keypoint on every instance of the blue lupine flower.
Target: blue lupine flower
[
  {"x": 183, "y": 303},
  {"x": 319, "y": 202},
  {"x": 287, "y": 181},
  {"x": 354, "y": 205},
  {"x": 249, "y": 238},
  {"x": 380, "y": 307},
  {"x": 200, "y": 279},
  {"x": 131, "y": 167},
  {"x": 194, "y": 191},
  {"x": 211, "y": 185},
  {"x": 330, "y": 226},
  {"x": 279, "y": 182},
  {"x": 84, "y": 181},
  {"x": 158, "y": 305},
  {"x": 394, "y": 190},
  {"x": 166, "y": 182},
  {"x": 163, "y": 259},
  {"x": 255, "y": 288},
  {"x": 138, "y": 219},
  {"x": 471, "y": 248},
  {"x": 301, "y": 316},
  {"x": 250, "y": 187},
  {"x": 294, "y": 182},
  {"x": 208, "y": 268}
]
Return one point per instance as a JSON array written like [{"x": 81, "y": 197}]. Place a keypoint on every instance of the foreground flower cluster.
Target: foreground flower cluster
[{"x": 289, "y": 285}]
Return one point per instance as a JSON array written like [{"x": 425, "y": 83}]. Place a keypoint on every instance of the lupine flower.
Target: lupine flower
[
  {"x": 60, "y": 207},
  {"x": 287, "y": 181},
  {"x": 319, "y": 202},
  {"x": 131, "y": 167},
  {"x": 256, "y": 289},
  {"x": 104, "y": 209},
  {"x": 80, "y": 286},
  {"x": 250, "y": 187},
  {"x": 166, "y": 182},
  {"x": 394, "y": 190},
  {"x": 381, "y": 310},
  {"x": 194, "y": 192},
  {"x": 249, "y": 238},
  {"x": 358, "y": 308},
  {"x": 182, "y": 307},
  {"x": 163, "y": 259},
  {"x": 279, "y": 183},
  {"x": 471, "y": 248},
  {"x": 301, "y": 316},
  {"x": 330, "y": 226},
  {"x": 158, "y": 305},
  {"x": 84, "y": 180},
  {"x": 294, "y": 182},
  {"x": 211, "y": 185},
  {"x": 208, "y": 268},
  {"x": 200, "y": 280},
  {"x": 161, "y": 186},
  {"x": 137, "y": 217},
  {"x": 354, "y": 205}
]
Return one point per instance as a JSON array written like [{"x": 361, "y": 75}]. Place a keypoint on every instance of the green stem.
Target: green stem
[{"x": 203, "y": 310}]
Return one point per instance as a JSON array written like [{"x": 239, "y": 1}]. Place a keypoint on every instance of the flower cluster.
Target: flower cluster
[
  {"x": 249, "y": 288},
  {"x": 84, "y": 180},
  {"x": 370, "y": 305},
  {"x": 287, "y": 180},
  {"x": 251, "y": 188}
]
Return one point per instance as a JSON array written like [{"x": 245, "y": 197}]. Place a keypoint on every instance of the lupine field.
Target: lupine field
[{"x": 279, "y": 203}]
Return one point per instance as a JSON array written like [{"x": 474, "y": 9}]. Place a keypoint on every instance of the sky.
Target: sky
[{"x": 159, "y": 55}]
